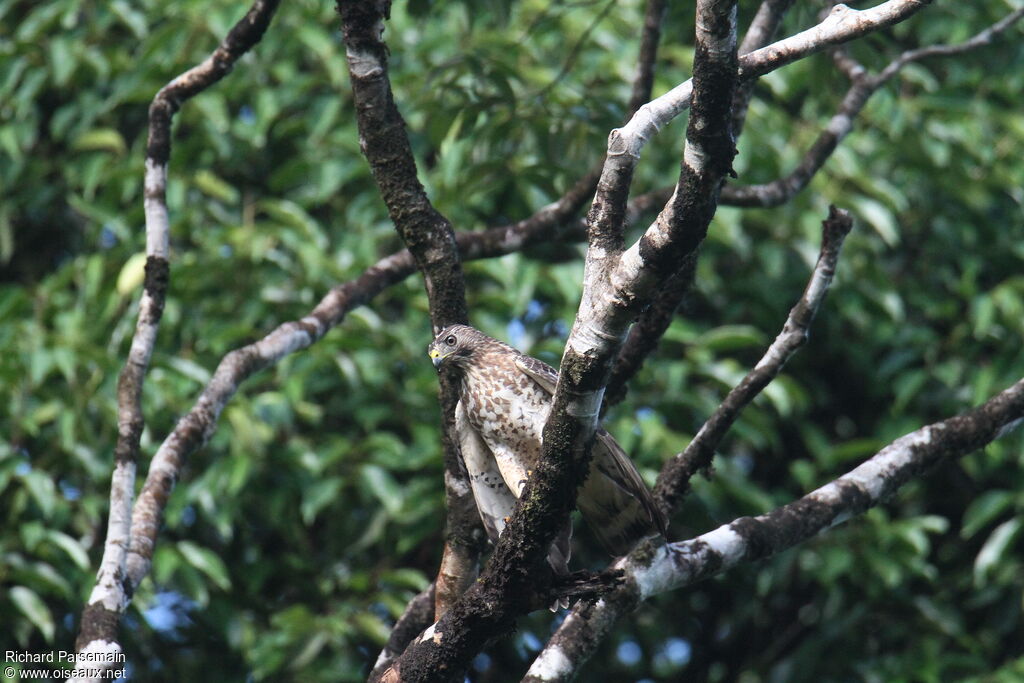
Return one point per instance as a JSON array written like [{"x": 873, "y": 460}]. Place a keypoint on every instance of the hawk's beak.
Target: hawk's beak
[{"x": 435, "y": 357}]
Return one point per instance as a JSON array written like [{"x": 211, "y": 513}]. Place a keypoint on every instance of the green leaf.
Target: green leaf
[
  {"x": 984, "y": 509},
  {"x": 42, "y": 489},
  {"x": 371, "y": 626},
  {"x": 190, "y": 369},
  {"x": 995, "y": 547},
  {"x": 206, "y": 561},
  {"x": 216, "y": 187},
  {"x": 32, "y": 606},
  {"x": 318, "y": 496},
  {"x": 101, "y": 139},
  {"x": 730, "y": 338},
  {"x": 130, "y": 17},
  {"x": 62, "y": 61},
  {"x": 879, "y": 217},
  {"x": 384, "y": 487},
  {"x": 132, "y": 274},
  {"x": 70, "y": 546}
]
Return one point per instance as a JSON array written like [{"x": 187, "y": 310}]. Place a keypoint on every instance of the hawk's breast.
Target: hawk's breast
[{"x": 508, "y": 410}]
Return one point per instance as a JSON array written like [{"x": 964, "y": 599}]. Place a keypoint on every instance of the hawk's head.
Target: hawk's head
[{"x": 455, "y": 344}]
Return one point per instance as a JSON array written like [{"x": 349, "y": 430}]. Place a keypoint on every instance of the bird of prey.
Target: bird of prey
[{"x": 504, "y": 401}]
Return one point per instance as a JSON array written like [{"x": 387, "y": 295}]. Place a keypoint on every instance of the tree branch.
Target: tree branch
[
  {"x": 649, "y": 571},
  {"x": 760, "y": 32},
  {"x": 112, "y": 592},
  {"x": 578, "y": 636},
  {"x": 489, "y": 608},
  {"x": 430, "y": 239},
  {"x": 864, "y": 86},
  {"x": 418, "y": 615},
  {"x": 673, "y": 482},
  {"x": 643, "y": 82}
]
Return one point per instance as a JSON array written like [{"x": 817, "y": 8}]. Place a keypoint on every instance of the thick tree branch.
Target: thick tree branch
[
  {"x": 581, "y": 632},
  {"x": 430, "y": 239},
  {"x": 650, "y": 571},
  {"x": 112, "y": 592},
  {"x": 864, "y": 86},
  {"x": 644, "y": 336},
  {"x": 427, "y": 234},
  {"x": 418, "y": 615},
  {"x": 489, "y": 608}
]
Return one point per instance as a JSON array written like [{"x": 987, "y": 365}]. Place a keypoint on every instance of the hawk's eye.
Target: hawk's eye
[{"x": 450, "y": 340}]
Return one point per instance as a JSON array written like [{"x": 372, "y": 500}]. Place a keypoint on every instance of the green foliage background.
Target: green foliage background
[{"x": 299, "y": 532}]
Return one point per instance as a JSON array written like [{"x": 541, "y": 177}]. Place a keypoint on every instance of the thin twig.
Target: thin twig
[{"x": 643, "y": 81}]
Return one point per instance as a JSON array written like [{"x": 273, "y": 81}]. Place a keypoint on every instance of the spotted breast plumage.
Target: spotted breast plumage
[{"x": 504, "y": 401}]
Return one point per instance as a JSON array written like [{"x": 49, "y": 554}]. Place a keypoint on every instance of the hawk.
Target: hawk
[{"x": 504, "y": 401}]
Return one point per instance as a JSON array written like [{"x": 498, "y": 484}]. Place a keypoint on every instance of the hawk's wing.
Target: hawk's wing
[
  {"x": 618, "y": 506},
  {"x": 542, "y": 373},
  {"x": 493, "y": 498},
  {"x": 614, "y": 499}
]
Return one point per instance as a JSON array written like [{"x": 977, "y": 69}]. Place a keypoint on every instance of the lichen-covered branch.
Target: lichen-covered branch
[
  {"x": 644, "y": 336},
  {"x": 840, "y": 125},
  {"x": 111, "y": 594},
  {"x": 578, "y": 636},
  {"x": 418, "y": 615},
  {"x": 649, "y": 571}
]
